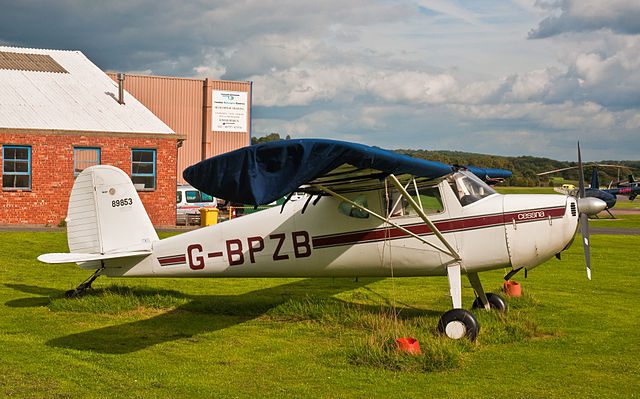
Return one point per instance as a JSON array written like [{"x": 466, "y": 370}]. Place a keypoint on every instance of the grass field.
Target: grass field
[
  {"x": 168, "y": 338},
  {"x": 621, "y": 221},
  {"x": 627, "y": 204}
]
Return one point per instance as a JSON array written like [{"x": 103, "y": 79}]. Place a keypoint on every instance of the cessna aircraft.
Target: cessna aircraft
[{"x": 369, "y": 212}]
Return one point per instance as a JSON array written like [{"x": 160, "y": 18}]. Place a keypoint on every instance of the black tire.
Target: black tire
[
  {"x": 459, "y": 323},
  {"x": 496, "y": 302}
]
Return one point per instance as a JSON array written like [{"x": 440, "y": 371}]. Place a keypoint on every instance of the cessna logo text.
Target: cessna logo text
[{"x": 531, "y": 215}]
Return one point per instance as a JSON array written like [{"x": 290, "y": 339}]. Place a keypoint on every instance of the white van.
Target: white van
[{"x": 189, "y": 200}]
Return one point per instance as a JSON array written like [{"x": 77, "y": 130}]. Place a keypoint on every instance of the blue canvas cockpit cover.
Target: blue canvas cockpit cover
[
  {"x": 260, "y": 174},
  {"x": 489, "y": 173}
]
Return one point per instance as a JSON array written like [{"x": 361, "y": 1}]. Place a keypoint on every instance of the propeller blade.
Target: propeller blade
[
  {"x": 580, "y": 175},
  {"x": 584, "y": 229},
  {"x": 584, "y": 217}
]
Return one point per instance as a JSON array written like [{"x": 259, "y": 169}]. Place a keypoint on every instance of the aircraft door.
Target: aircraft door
[
  {"x": 475, "y": 218},
  {"x": 409, "y": 250}
]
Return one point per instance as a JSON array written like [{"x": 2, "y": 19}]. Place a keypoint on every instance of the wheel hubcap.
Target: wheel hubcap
[{"x": 455, "y": 329}]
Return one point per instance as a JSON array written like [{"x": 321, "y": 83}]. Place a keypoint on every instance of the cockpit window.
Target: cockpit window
[
  {"x": 428, "y": 198},
  {"x": 469, "y": 188}
]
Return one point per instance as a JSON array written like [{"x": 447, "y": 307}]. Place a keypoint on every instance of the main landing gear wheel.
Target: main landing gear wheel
[
  {"x": 496, "y": 302},
  {"x": 459, "y": 323}
]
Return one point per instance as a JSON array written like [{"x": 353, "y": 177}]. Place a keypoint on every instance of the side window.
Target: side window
[
  {"x": 84, "y": 157},
  {"x": 178, "y": 197},
  {"x": 197, "y": 196},
  {"x": 16, "y": 167},
  {"x": 143, "y": 169},
  {"x": 206, "y": 197},
  {"x": 192, "y": 196},
  {"x": 427, "y": 198},
  {"x": 348, "y": 209}
]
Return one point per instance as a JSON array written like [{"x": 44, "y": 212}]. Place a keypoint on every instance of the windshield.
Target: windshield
[{"x": 469, "y": 188}]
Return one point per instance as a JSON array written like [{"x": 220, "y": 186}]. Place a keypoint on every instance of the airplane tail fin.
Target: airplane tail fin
[{"x": 105, "y": 214}]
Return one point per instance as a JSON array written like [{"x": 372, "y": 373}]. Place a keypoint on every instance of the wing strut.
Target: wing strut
[
  {"x": 423, "y": 216},
  {"x": 453, "y": 254}
]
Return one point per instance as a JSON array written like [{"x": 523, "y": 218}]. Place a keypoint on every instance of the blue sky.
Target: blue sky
[{"x": 513, "y": 77}]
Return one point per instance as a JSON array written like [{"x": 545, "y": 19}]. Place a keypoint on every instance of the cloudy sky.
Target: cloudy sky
[{"x": 519, "y": 77}]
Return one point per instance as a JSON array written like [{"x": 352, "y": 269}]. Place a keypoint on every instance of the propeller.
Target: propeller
[
  {"x": 584, "y": 218},
  {"x": 587, "y": 206}
]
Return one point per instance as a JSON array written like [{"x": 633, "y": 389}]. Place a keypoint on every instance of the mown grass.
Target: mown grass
[
  {"x": 140, "y": 338},
  {"x": 620, "y": 221},
  {"x": 382, "y": 326},
  {"x": 622, "y": 204},
  {"x": 116, "y": 299}
]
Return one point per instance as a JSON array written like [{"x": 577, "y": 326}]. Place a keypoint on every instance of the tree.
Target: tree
[{"x": 268, "y": 138}]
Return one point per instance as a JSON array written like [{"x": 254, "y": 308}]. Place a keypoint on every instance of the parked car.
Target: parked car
[{"x": 189, "y": 200}]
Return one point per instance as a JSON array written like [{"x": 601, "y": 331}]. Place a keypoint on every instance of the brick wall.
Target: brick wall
[{"x": 52, "y": 175}]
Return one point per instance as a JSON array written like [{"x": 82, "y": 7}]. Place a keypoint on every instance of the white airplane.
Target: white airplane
[{"x": 369, "y": 212}]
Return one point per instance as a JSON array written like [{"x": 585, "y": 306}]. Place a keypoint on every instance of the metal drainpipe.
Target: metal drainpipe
[{"x": 121, "y": 88}]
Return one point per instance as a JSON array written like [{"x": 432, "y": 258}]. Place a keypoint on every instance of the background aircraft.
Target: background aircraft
[
  {"x": 607, "y": 195},
  {"x": 369, "y": 212},
  {"x": 629, "y": 188},
  {"x": 630, "y": 182}
]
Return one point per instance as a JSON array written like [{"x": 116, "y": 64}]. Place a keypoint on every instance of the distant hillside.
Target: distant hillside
[{"x": 524, "y": 168}]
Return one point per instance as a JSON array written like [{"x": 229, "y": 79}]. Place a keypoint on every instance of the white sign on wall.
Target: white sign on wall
[{"x": 229, "y": 111}]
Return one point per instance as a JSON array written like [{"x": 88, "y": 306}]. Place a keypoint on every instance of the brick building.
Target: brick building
[{"x": 59, "y": 113}]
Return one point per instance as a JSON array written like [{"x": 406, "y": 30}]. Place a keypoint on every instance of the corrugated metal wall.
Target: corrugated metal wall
[{"x": 185, "y": 105}]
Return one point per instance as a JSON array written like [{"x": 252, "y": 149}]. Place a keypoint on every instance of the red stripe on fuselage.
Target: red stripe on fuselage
[
  {"x": 445, "y": 226},
  {"x": 172, "y": 260}
]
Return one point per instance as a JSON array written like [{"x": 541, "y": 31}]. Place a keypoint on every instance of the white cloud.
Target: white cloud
[
  {"x": 620, "y": 16},
  {"x": 436, "y": 74}
]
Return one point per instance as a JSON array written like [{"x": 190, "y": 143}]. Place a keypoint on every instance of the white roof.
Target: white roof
[{"x": 84, "y": 99}]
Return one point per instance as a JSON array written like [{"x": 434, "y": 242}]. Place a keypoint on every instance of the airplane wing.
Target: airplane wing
[
  {"x": 260, "y": 174},
  {"x": 490, "y": 173}
]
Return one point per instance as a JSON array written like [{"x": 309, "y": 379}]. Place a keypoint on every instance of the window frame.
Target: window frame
[
  {"x": 28, "y": 173},
  {"x": 99, "y": 157},
  {"x": 145, "y": 175},
  {"x": 404, "y": 210}
]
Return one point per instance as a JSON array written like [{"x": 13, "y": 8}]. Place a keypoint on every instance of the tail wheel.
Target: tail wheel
[
  {"x": 459, "y": 323},
  {"x": 496, "y": 302}
]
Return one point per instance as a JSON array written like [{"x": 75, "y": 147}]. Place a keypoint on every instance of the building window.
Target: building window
[
  {"x": 16, "y": 167},
  {"x": 143, "y": 169},
  {"x": 83, "y": 157}
]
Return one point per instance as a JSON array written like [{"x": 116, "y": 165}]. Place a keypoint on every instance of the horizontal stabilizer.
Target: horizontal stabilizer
[{"x": 79, "y": 257}]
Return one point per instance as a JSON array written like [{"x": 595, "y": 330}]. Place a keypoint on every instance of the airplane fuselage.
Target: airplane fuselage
[{"x": 326, "y": 239}]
